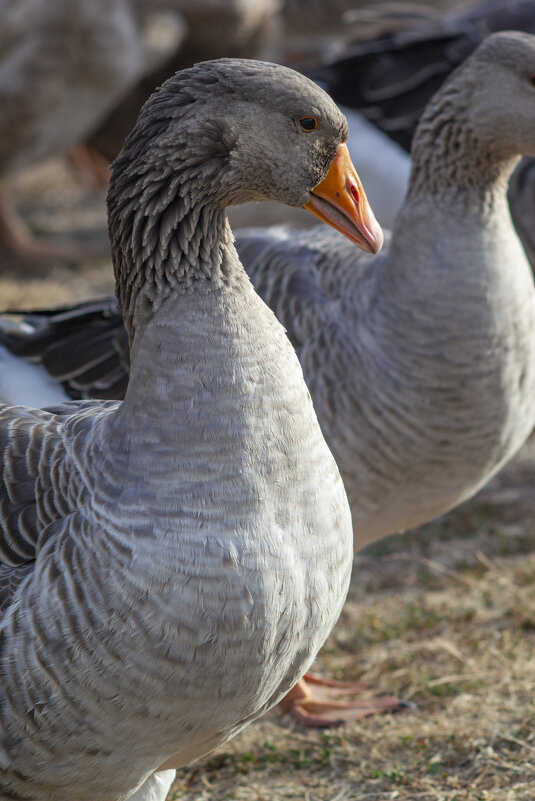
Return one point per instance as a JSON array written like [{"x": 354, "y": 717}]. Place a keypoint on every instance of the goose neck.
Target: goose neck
[
  {"x": 168, "y": 235},
  {"x": 183, "y": 352},
  {"x": 455, "y": 160}
]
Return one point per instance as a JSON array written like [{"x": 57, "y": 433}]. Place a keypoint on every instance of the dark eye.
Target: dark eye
[
  {"x": 532, "y": 80},
  {"x": 308, "y": 123}
]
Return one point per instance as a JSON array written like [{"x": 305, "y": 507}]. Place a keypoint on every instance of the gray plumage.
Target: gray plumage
[
  {"x": 171, "y": 564},
  {"x": 420, "y": 361}
]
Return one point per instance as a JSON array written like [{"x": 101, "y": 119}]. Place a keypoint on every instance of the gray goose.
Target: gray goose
[
  {"x": 171, "y": 564},
  {"x": 421, "y": 364}
]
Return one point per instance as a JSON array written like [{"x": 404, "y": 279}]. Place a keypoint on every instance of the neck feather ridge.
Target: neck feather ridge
[
  {"x": 166, "y": 235},
  {"x": 451, "y": 160}
]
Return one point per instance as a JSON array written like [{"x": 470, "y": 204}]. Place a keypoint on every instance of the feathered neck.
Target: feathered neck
[
  {"x": 167, "y": 223},
  {"x": 451, "y": 159}
]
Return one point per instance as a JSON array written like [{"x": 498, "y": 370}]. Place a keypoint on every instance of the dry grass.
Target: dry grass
[{"x": 443, "y": 617}]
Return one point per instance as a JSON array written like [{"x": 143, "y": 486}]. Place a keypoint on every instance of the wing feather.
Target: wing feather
[
  {"x": 83, "y": 347},
  {"x": 303, "y": 276},
  {"x": 39, "y": 485}
]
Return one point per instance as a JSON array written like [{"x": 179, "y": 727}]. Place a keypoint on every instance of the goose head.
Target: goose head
[
  {"x": 233, "y": 131},
  {"x": 501, "y": 95}
]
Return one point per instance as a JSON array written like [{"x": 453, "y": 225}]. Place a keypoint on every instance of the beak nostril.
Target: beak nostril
[{"x": 355, "y": 194}]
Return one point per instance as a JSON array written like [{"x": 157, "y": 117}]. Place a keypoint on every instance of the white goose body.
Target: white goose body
[{"x": 170, "y": 565}]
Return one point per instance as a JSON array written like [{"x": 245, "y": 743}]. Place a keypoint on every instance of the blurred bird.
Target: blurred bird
[
  {"x": 63, "y": 64},
  {"x": 214, "y": 29}
]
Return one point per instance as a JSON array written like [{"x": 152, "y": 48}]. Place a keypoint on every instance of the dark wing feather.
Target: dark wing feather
[
  {"x": 37, "y": 477},
  {"x": 83, "y": 347}
]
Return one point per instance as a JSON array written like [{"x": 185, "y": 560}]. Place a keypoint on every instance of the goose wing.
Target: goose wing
[
  {"x": 303, "y": 277},
  {"x": 82, "y": 347},
  {"x": 40, "y": 485}
]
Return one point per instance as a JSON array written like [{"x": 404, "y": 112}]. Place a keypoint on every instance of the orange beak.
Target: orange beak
[{"x": 340, "y": 201}]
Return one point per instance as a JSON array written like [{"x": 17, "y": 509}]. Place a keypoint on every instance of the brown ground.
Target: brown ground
[{"x": 443, "y": 617}]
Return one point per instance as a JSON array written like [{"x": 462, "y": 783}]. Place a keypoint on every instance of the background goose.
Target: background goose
[
  {"x": 421, "y": 364},
  {"x": 54, "y": 90},
  {"x": 422, "y": 369},
  {"x": 171, "y": 564},
  {"x": 214, "y": 28}
]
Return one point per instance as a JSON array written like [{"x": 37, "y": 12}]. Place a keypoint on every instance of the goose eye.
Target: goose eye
[
  {"x": 308, "y": 123},
  {"x": 532, "y": 80}
]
